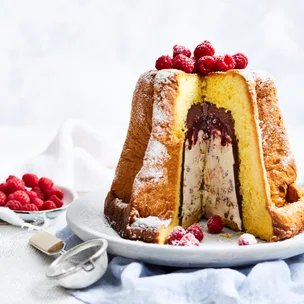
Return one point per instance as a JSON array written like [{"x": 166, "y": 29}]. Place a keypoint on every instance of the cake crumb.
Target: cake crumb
[{"x": 227, "y": 235}]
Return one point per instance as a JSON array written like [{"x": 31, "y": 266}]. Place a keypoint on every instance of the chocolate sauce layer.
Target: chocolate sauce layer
[{"x": 205, "y": 122}]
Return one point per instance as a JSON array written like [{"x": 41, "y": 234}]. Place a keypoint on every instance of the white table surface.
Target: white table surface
[{"x": 22, "y": 268}]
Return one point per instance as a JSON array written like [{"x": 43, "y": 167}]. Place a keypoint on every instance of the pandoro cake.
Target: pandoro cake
[{"x": 200, "y": 145}]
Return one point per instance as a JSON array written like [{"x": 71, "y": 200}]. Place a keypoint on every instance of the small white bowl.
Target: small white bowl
[{"x": 31, "y": 216}]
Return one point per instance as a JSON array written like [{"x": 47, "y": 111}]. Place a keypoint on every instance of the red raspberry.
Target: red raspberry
[
  {"x": 30, "y": 180},
  {"x": 3, "y": 188},
  {"x": 176, "y": 235},
  {"x": 10, "y": 197},
  {"x": 14, "y": 184},
  {"x": 39, "y": 192},
  {"x": 54, "y": 191},
  {"x": 247, "y": 239},
  {"x": 45, "y": 184},
  {"x": 206, "y": 64},
  {"x": 215, "y": 224},
  {"x": 21, "y": 197},
  {"x": 13, "y": 205},
  {"x": 56, "y": 200},
  {"x": 182, "y": 62},
  {"x": 11, "y": 177},
  {"x": 29, "y": 207},
  {"x": 225, "y": 63},
  {"x": 241, "y": 61},
  {"x": 2, "y": 199},
  {"x": 49, "y": 205},
  {"x": 204, "y": 49},
  {"x": 189, "y": 240},
  {"x": 32, "y": 195},
  {"x": 197, "y": 231},
  {"x": 58, "y": 192},
  {"x": 163, "y": 62},
  {"x": 38, "y": 202},
  {"x": 180, "y": 49}
]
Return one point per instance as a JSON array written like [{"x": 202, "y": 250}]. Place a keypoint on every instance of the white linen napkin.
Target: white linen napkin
[
  {"x": 79, "y": 157},
  {"x": 10, "y": 217}
]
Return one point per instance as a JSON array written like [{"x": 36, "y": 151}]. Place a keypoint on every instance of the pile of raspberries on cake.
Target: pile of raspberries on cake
[
  {"x": 203, "y": 61},
  {"x": 30, "y": 193}
]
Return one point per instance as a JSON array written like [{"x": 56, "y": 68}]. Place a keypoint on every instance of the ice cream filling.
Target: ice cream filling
[{"x": 210, "y": 183}]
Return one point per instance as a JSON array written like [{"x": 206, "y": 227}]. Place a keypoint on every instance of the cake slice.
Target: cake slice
[{"x": 203, "y": 145}]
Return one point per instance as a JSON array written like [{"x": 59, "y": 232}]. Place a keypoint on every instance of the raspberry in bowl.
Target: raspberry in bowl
[{"x": 34, "y": 198}]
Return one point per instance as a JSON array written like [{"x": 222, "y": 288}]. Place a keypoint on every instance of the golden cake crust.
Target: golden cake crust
[
  {"x": 147, "y": 180},
  {"x": 117, "y": 207},
  {"x": 286, "y": 205}
]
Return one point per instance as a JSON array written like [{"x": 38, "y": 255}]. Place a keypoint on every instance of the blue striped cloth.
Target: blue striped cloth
[{"x": 129, "y": 281}]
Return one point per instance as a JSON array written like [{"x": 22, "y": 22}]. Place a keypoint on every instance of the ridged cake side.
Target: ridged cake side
[
  {"x": 286, "y": 203},
  {"x": 117, "y": 209}
]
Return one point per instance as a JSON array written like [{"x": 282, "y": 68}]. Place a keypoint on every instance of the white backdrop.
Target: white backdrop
[{"x": 81, "y": 59}]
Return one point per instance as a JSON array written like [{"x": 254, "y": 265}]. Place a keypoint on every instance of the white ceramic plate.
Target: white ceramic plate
[
  {"x": 86, "y": 219},
  {"x": 31, "y": 216}
]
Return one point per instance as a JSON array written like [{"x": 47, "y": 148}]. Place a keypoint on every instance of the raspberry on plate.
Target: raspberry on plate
[
  {"x": 247, "y": 239},
  {"x": 30, "y": 180},
  {"x": 39, "y": 192},
  {"x": 56, "y": 200},
  {"x": 189, "y": 240},
  {"x": 38, "y": 202},
  {"x": 2, "y": 199},
  {"x": 21, "y": 197},
  {"x": 204, "y": 49},
  {"x": 241, "y": 61},
  {"x": 183, "y": 63},
  {"x": 14, "y": 184},
  {"x": 197, "y": 231},
  {"x": 29, "y": 207},
  {"x": 206, "y": 64},
  {"x": 180, "y": 49},
  {"x": 176, "y": 235},
  {"x": 48, "y": 205},
  {"x": 225, "y": 63},
  {"x": 13, "y": 205},
  {"x": 45, "y": 183},
  {"x": 163, "y": 62},
  {"x": 215, "y": 224},
  {"x": 32, "y": 195}
]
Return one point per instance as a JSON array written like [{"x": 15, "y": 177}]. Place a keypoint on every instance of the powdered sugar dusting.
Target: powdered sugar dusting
[
  {"x": 156, "y": 152},
  {"x": 163, "y": 76},
  {"x": 152, "y": 173},
  {"x": 153, "y": 169},
  {"x": 160, "y": 115},
  {"x": 143, "y": 91},
  {"x": 253, "y": 76},
  {"x": 287, "y": 159},
  {"x": 148, "y": 77},
  {"x": 150, "y": 221},
  {"x": 119, "y": 203}
]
